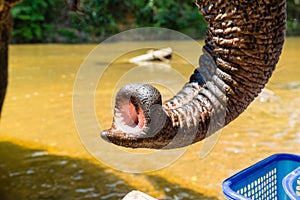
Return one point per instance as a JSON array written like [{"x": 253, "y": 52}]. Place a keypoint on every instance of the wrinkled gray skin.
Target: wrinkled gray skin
[{"x": 242, "y": 47}]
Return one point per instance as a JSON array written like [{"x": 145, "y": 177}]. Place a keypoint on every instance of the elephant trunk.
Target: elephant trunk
[{"x": 243, "y": 44}]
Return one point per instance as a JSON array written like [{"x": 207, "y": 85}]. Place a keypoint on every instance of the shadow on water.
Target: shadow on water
[
  {"x": 36, "y": 174},
  {"x": 174, "y": 191}
]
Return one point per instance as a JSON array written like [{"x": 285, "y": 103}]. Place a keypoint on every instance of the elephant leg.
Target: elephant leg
[{"x": 5, "y": 31}]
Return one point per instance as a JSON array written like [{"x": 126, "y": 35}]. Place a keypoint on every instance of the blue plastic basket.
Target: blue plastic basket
[
  {"x": 291, "y": 184},
  {"x": 263, "y": 181}
]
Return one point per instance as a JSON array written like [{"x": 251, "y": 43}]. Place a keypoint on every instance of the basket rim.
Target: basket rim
[{"x": 226, "y": 186}]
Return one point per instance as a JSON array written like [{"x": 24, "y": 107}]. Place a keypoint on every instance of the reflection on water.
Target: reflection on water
[{"x": 41, "y": 156}]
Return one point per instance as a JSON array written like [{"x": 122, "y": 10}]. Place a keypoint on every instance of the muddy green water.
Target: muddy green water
[{"x": 42, "y": 157}]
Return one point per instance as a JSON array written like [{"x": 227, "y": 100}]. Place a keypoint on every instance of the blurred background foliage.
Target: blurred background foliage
[{"x": 48, "y": 21}]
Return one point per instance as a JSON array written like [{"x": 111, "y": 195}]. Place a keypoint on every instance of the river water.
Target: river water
[{"x": 44, "y": 156}]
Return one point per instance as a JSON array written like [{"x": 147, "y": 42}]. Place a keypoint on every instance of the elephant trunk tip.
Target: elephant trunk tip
[
  {"x": 135, "y": 108},
  {"x": 104, "y": 135}
]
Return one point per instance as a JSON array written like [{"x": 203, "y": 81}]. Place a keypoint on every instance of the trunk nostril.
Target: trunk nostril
[
  {"x": 132, "y": 112},
  {"x": 131, "y": 116}
]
